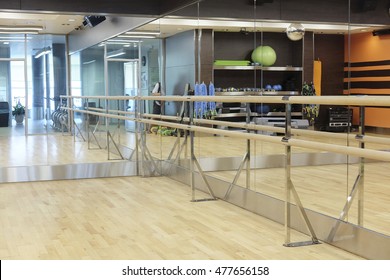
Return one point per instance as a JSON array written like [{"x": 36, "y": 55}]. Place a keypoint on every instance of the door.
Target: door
[{"x": 123, "y": 80}]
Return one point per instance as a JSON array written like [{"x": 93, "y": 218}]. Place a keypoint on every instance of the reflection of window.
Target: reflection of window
[
  {"x": 18, "y": 91},
  {"x": 3, "y": 89}
]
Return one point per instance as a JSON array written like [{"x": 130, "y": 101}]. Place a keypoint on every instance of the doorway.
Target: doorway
[{"x": 123, "y": 80}]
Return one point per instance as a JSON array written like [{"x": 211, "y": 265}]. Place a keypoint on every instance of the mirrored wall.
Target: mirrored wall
[{"x": 236, "y": 49}]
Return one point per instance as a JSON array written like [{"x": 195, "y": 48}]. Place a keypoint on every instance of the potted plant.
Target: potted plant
[{"x": 18, "y": 112}]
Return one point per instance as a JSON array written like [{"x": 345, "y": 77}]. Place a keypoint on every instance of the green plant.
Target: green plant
[{"x": 19, "y": 109}]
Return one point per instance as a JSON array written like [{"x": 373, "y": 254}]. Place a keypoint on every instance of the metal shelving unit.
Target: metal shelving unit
[{"x": 250, "y": 67}]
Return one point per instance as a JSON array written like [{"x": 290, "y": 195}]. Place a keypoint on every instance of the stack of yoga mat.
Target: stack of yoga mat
[{"x": 232, "y": 62}]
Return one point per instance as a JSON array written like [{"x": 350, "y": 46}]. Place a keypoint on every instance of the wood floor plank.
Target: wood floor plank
[{"x": 136, "y": 218}]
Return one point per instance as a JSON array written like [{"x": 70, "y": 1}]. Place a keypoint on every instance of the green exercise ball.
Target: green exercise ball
[{"x": 265, "y": 55}]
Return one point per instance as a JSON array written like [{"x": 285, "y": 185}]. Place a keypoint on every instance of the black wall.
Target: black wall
[
  {"x": 144, "y": 7},
  {"x": 362, "y": 11}
]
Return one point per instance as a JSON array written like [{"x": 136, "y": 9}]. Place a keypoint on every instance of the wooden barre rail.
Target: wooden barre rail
[
  {"x": 359, "y": 152},
  {"x": 111, "y": 111},
  {"x": 300, "y": 132},
  {"x": 365, "y": 100}
]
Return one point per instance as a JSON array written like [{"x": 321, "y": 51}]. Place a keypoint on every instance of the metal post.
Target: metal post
[
  {"x": 287, "y": 210},
  {"x": 71, "y": 118},
  {"x": 137, "y": 144},
  {"x": 192, "y": 155},
  {"x": 87, "y": 122},
  {"x": 361, "y": 169},
  {"x": 248, "y": 149}
]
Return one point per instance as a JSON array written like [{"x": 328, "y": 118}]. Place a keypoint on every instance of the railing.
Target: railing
[{"x": 191, "y": 125}]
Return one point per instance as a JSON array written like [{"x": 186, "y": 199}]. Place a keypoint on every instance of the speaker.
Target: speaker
[
  {"x": 92, "y": 21},
  {"x": 381, "y": 32}
]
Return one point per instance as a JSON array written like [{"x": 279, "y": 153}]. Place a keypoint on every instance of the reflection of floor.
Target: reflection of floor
[
  {"x": 323, "y": 189},
  {"x": 136, "y": 218}
]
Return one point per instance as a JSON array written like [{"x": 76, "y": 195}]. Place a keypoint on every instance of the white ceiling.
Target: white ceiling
[{"x": 51, "y": 23}]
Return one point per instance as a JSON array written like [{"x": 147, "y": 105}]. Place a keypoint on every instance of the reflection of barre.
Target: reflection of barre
[
  {"x": 100, "y": 114},
  {"x": 298, "y": 132},
  {"x": 366, "y": 153},
  {"x": 321, "y": 100},
  {"x": 111, "y": 111}
]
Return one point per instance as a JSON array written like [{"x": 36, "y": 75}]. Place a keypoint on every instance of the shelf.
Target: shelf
[
  {"x": 258, "y": 93},
  {"x": 234, "y": 115},
  {"x": 271, "y": 68}
]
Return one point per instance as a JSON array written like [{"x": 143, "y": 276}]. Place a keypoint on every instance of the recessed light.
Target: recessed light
[{"x": 71, "y": 19}]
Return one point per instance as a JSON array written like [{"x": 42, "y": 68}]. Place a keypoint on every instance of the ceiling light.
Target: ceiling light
[
  {"x": 137, "y": 36},
  {"x": 141, "y": 32},
  {"x": 89, "y": 62},
  {"x": 43, "y": 51},
  {"x": 116, "y": 53},
  {"x": 20, "y": 29}
]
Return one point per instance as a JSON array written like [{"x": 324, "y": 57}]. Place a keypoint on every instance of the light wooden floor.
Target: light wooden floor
[
  {"x": 136, "y": 218},
  {"x": 94, "y": 219}
]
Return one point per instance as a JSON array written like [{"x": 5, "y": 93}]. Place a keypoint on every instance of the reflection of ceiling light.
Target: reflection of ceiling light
[
  {"x": 137, "y": 36},
  {"x": 43, "y": 51},
  {"x": 89, "y": 62},
  {"x": 223, "y": 24},
  {"x": 141, "y": 32},
  {"x": 11, "y": 38},
  {"x": 115, "y": 53},
  {"x": 21, "y": 29},
  {"x": 120, "y": 42}
]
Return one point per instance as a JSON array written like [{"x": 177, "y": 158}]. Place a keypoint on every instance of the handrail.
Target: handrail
[
  {"x": 322, "y": 100},
  {"x": 346, "y": 150},
  {"x": 376, "y": 101}
]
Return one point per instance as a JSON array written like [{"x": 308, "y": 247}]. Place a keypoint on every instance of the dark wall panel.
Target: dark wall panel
[
  {"x": 315, "y": 10},
  {"x": 168, "y": 6},
  {"x": 10, "y": 4},
  {"x": 370, "y": 11},
  {"x": 144, "y": 7},
  {"x": 151, "y": 7},
  {"x": 330, "y": 50},
  {"x": 265, "y": 9},
  {"x": 308, "y": 66}
]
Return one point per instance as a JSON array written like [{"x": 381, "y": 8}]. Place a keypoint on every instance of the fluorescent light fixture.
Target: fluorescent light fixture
[
  {"x": 89, "y": 62},
  {"x": 18, "y": 32},
  {"x": 116, "y": 53},
  {"x": 120, "y": 42},
  {"x": 137, "y": 36},
  {"x": 20, "y": 29},
  {"x": 141, "y": 32},
  {"x": 42, "y": 52}
]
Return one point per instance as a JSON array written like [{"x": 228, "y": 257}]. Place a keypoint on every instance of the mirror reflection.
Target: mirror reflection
[{"x": 112, "y": 71}]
